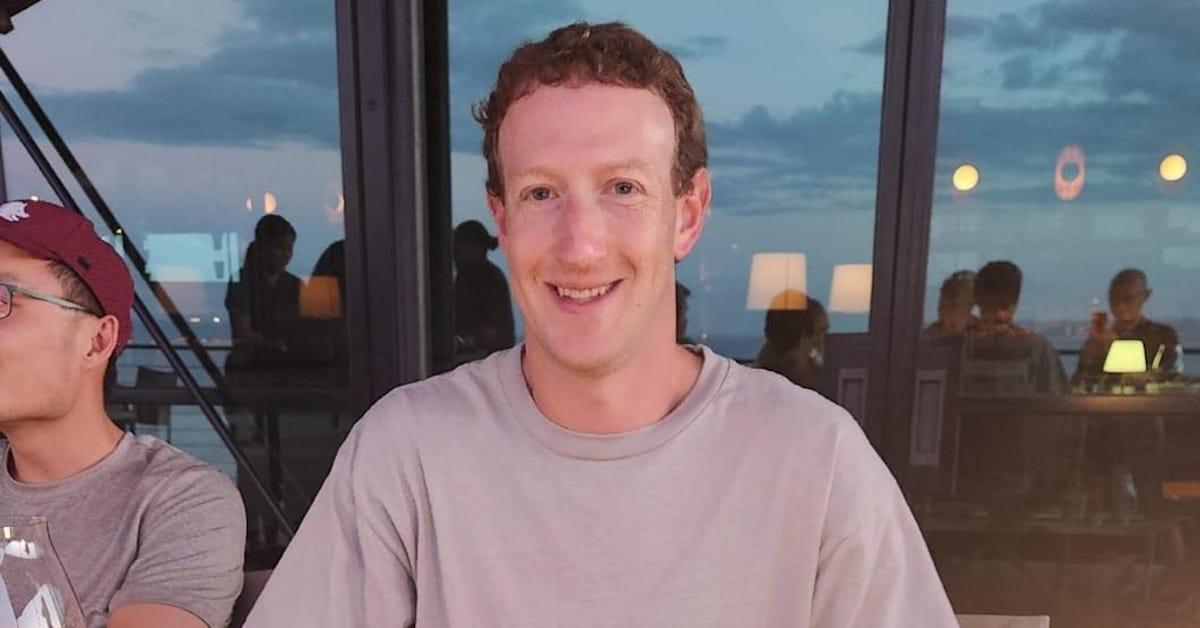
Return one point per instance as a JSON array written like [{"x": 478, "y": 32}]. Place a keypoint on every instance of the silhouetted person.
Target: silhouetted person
[
  {"x": 1127, "y": 447},
  {"x": 1022, "y": 458},
  {"x": 1002, "y": 356},
  {"x": 264, "y": 304},
  {"x": 681, "y": 314},
  {"x": 956, "y": 299},
  {"x": 482, "y": 304},
  {"x": 323, "y": 310},
  {"x": 1127, "y": 295},
  {"x": 795, "y": 338}
]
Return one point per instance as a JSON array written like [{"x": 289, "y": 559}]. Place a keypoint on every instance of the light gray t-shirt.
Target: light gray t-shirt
[
  {"x": 146, "y": 524},
  {"x": 456, "y": 502}
]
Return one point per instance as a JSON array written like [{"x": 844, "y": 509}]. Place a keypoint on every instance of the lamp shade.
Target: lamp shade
[
  {"x": 773, "y": 274},
  {"x": 320, "y": 298},
  {"x": 851, "y": 291},
  {"x": 1126, "y": 356}
]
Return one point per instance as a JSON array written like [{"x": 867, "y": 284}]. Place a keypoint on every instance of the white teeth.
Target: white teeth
[{"x": 583, "y": 294}]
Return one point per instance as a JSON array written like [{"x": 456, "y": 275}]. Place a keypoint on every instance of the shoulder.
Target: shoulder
[
  {"x": 759, "y": 399},
  {"x": 1160, "y": 330},
  {"x": 808, "y": 432},
  {"x": 169, "y": 475},
  {"x": 445, "y": 409}
]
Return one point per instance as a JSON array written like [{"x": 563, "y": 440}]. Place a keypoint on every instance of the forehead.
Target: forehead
[
  {"x": 24, "y": 268},
  {"x": 561, "y": 127}
]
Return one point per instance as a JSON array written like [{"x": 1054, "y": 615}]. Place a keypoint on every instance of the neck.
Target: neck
[
  {"x": 48, "y": 450},
  {"x": 639, "y": 392}
]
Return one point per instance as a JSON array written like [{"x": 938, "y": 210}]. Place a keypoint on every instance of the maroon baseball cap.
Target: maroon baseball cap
[{"x": 59, "y": 234}]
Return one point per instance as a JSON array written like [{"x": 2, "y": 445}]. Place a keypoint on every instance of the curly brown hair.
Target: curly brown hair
[{"x": 611, "y": 54}]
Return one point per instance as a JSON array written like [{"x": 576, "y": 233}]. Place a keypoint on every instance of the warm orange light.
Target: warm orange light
[
  {"x": 1065, "y": 189},
  {"x": 965, "y": 178},
  {"x": 1172, "y": 167},
  {"x": 270, "y": 203}
]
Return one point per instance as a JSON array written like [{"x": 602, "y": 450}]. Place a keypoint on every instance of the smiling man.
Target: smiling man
[
  {"x": 149, "y": 537},
  {"x": 601, "y": 474}
]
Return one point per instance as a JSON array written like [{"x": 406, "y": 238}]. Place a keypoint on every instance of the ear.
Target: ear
[
  {"x": 496, "y": 207},
  {"x": 691, "y": 212},
  {"x": 102, "y": 342}
]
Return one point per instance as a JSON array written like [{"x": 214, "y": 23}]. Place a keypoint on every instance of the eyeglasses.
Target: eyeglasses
[{"x": 7, "y": 290}]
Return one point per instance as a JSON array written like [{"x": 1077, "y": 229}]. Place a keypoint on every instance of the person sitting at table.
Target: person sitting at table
[
  {"x": 956, "y": 299},
  {"x": 149, "y": 537},
  {"x": 1003, "y": 357},
  {"x": 264, "y": 307},
  {"x": 1127, "y": 447},
  {"x": 1128, "y": 293},
  {"x": 1020, "y": 459},
  {"x": 795, "y": 338}
]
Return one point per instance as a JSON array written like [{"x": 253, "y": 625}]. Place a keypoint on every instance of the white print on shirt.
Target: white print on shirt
[{"x": 13, "y": 211}]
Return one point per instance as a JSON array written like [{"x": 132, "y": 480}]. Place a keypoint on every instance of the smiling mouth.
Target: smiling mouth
[{"x": 583, "y": 294}]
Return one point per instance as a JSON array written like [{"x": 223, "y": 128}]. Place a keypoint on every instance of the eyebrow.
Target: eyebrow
[
  {"x": 535, "y": 172},
  {"x": 628, "y": 164}
]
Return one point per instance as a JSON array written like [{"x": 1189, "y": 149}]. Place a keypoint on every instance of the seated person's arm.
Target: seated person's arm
[
  {"x": 188, "y": 569},
  {"x": 153, "y": 616}
]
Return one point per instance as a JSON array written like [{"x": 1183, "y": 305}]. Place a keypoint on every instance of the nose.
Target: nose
[{"x": 582, "y": 235}]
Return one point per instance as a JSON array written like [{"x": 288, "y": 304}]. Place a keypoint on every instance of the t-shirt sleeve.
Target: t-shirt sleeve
[
  {"x": 874, "y": 568},
  {"x": 190, "y": 549},
  {"x": 349, "y": 564}
]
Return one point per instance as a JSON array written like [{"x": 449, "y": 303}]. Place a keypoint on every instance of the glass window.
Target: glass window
[
  {"x": 1053, "y": 454},
  {"x": 791, "y": 99},
  {"x": 211, "y": 130}
]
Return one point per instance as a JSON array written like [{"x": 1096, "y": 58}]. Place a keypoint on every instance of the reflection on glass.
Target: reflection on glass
[
  {"x": 483, "y": 305},
  {"x": 1172, "y": 167},
  {"x": 1076, "y": 502},
  {"x": 1107, "y": 357},
  {"x": 264, "y": 304},
  {"x": 795, "y": 328}
]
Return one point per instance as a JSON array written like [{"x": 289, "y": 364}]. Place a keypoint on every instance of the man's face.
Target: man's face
[
  {"x": 590, "y": 222},
  {"x": 1126, "y": 301},
  {"x": 955, "y": 312},
  {"x": 40, "y": 343},
  {"x": 278, "y": 253}
]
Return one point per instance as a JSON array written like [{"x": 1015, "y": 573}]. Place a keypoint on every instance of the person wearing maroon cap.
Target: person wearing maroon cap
[{"x": 148, "y": 536}]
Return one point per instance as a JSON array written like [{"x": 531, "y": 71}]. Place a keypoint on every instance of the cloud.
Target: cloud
[
  {"x": 698, "y": 47},
  {"x": 271, "y": 80}
]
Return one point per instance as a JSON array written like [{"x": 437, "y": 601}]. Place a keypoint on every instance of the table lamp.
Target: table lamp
[
  {"x": 774, "y": 275},
  {"x": 851, "y": 291},
  {"x": 320, "y": 298},
  {"x": 1125, "y": 357}
]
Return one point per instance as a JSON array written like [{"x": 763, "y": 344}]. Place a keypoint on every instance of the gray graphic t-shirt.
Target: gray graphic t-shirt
[{"x": 146, "y": 524}]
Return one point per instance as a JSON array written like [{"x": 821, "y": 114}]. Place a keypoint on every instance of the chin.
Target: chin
[{"x": 589, "y": 356}]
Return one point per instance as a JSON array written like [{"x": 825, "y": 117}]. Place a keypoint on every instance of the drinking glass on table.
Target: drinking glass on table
[{"x": 34, "y": 590}]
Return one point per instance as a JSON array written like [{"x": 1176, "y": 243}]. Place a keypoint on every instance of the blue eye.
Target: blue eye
[
  {"x": 624, "y": 187},
  {"x": 540, "y": 194}
]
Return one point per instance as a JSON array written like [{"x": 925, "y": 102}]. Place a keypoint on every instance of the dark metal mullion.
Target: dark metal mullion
[
  {"x": 382, "y": 97},
  {"x": 887, "y": 203},
  {"x": 440, "y": 216},
  {"x": 139, "y": 307},
  {"x": 915, "y": 57},
  {"x": 110, "y": 220},
  {"x": 349, "y": 102}
]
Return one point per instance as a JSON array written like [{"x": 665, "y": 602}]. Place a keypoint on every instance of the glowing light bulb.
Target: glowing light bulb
[
  {"x": 965, "y": 178},
  {"x": 1172, "y": 167}
]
